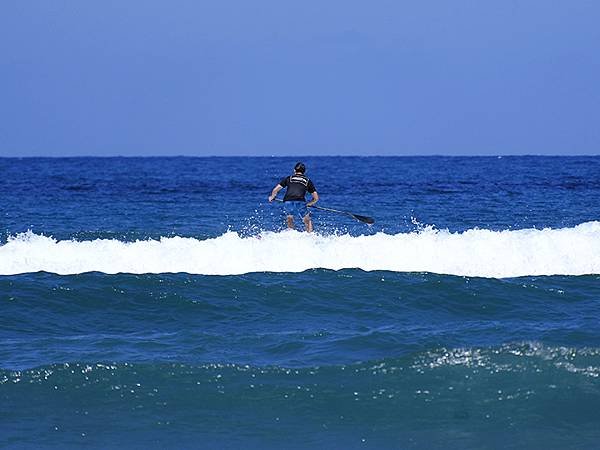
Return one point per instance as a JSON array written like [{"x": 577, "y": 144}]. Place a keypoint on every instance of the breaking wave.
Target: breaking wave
[{"x": 476, "y": 252}]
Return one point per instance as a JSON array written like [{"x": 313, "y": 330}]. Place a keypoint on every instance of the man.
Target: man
[{"x": 294, "y": 201}]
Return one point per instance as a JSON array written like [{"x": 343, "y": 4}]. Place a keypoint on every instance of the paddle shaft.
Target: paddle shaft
[{"x": 358, "y": 217}]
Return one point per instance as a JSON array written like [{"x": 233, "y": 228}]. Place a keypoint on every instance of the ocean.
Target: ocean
[{"x": 161, "y": 303}]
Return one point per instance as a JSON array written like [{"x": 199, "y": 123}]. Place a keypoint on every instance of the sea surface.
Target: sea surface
[{"x": 160, "y": 303}]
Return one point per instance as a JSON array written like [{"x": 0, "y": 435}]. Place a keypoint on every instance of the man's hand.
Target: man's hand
[
  {"x": 276, "y": 189},
  {"x": 315, "y": 199}
]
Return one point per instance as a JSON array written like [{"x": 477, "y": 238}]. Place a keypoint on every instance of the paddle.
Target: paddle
[{"x": 358, "y": 217}]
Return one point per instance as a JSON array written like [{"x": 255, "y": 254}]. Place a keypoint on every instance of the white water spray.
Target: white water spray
[{"x": 484, "y": 253}]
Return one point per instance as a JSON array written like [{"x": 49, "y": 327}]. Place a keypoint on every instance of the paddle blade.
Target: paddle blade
[{"x": 364, "y": 219}]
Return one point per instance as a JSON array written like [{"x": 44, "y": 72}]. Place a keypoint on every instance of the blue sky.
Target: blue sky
[{"x": 277, "y": 77}]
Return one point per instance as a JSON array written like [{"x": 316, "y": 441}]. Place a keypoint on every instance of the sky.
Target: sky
[{"x": 289, "y": 77}]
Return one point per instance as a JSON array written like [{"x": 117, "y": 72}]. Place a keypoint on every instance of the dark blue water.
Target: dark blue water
[
  {"x": 319, "y": 358},
  {"x": 151, "y": 197}
]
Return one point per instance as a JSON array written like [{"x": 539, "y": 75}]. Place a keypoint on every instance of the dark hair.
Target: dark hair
[{"x": 300, "y": 167}]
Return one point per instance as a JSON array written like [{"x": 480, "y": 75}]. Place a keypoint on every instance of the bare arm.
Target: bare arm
[
  {"x": 315, "y": 199},
  {"x": 276, "y": 189}
]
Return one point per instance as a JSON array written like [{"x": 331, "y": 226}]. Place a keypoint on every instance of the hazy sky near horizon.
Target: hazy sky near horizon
[{"x": 273, "y": 77}]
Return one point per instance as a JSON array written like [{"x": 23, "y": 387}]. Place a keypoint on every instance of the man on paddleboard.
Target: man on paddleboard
[{"x": 294, "y": 201}]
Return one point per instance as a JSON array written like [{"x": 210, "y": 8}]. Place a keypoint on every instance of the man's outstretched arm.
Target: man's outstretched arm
[{"x": 276, "y": 189}]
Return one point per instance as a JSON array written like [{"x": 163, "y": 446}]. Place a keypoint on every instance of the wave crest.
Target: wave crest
[{"x": 476, "y": 252}]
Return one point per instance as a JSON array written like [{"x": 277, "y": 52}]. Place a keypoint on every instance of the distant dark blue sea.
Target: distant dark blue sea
[{"x": 161, "y": 303}]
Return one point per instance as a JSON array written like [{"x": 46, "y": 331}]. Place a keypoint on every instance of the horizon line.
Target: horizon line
[{"x": 433, "y": 155}]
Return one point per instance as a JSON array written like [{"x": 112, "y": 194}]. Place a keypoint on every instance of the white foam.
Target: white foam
[{"x": 484, "y": 253}]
